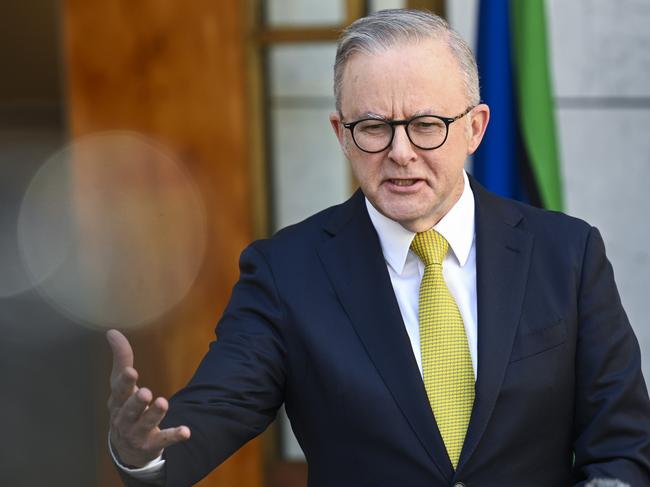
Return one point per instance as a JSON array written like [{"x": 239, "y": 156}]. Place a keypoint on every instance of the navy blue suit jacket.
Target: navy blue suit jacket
[{"x": 313, "y": 322}]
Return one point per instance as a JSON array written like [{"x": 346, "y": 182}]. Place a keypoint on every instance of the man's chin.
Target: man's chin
[{"x": 410, "y": 220}]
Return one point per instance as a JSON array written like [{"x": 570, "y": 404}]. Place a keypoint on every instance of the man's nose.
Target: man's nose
[{"x": 401, "y": 150}]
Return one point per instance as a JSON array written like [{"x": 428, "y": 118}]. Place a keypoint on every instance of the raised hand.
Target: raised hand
[{"x": 134, "y": 415}]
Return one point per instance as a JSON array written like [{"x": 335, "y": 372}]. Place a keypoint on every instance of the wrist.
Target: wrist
[{"x": 131, "y": 462}]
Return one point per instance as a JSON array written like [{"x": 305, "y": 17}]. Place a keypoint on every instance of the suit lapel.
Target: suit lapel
[
  {"x": 356, "y": 267},
  {"x": 502, "y": 262}
]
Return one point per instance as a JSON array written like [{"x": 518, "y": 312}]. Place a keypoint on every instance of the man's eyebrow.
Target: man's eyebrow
[
  {"x": 372, "y": 115},
  {"x": 426, "y": 111}
]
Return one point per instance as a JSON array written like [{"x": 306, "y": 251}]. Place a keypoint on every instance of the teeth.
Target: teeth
[{"x": 403, "y": 182}]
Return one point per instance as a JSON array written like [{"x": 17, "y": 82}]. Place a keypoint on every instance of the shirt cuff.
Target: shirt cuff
[{"x": 152, "y": 472}]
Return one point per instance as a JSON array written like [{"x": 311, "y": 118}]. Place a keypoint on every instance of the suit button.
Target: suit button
[{"x": 459, "y": 484}]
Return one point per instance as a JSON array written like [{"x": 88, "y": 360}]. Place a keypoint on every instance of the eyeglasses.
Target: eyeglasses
[{"x": 426, "y": 132}]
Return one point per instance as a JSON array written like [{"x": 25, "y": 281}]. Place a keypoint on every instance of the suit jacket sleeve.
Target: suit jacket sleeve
[
  {"x": 612, "y": 411},
  {"x": 238, "y": 387}
]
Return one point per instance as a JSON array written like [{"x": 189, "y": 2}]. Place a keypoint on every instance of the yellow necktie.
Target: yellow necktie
[{"x": 446, "y": 361}]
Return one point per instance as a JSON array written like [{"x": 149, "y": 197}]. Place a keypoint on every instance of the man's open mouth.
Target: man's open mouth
[{"x": 404, "y": 182}]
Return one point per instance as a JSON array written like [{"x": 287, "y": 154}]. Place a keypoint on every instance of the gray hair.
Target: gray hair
[{"x": 387, "y": 28}]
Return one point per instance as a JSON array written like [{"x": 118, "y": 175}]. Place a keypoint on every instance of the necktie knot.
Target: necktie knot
[{"x": 430, "y": 247}]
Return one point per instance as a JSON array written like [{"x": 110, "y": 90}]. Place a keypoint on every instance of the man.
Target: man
[{"x": 423, "y": 333}]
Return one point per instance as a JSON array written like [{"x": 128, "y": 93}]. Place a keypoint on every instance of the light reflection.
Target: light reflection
[{"x": 112, "y": 230}]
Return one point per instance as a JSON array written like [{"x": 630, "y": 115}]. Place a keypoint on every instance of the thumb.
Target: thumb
[{"x": 122, "y": 351}]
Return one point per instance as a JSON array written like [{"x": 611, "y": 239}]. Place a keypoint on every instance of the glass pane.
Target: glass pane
[
  {"x": 301, "y": 70},
  {"x": 309, "y": 170},
  {"x": 290, "y": 447},
  {"x": 305, "y": 12},
  {"x": 376, "y": 5}
]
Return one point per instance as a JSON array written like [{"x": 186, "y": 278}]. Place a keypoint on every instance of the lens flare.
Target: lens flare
[{"x": 112, "y": 230}]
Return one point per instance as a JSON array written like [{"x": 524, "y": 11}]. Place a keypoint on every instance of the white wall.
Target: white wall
[{"x": 601, "y": 61}]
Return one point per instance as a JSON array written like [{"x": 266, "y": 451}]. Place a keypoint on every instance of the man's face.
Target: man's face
[{"x": 412, "y": 186}]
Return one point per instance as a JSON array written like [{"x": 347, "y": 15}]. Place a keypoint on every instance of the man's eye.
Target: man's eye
[
  {"x": 427, "y": 125},
  {"x": 373, "y": 128}
]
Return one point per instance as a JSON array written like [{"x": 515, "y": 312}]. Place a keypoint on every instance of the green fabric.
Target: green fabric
[{"x": 536, "y": 107}]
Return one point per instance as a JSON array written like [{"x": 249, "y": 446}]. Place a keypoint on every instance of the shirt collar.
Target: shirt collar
[{"x": 457, "y": 226}]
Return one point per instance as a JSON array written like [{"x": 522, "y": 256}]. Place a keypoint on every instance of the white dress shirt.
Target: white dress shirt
[
  {"x": 406, "y": 270},
  {"x": 458, "y": 267}
]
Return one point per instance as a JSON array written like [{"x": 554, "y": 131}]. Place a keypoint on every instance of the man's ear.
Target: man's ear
[
  {"x": 339, "y": 130},
  {"x": 480, "y": 118}
]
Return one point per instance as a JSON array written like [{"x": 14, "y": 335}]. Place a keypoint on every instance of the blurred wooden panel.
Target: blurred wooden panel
[
  {"x": 435, "y": 6},
  {"x": 174, "y": 71},
  {"x": 289, "y": 474},
  {"x": 355, "y": 9},
  {"x": 293, "y": 35},
  {"x": 27, "y": 53}
]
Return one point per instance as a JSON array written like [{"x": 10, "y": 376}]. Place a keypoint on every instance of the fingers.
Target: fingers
[
  {"x": 123, "y": 386},
  {"x": 138, "y": 450},
  {"x": 122, "y": 351},
  {"x": 170, "y": 436},
  {"x": 137, "y": 422},
  {"x": 152, "y": 416},
  {"x": 133, "y": 408}
]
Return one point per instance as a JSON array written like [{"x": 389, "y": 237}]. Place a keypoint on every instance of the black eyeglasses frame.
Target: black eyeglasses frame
[{"x": 393, "y": 123}]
